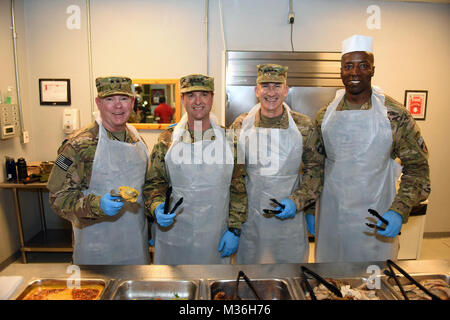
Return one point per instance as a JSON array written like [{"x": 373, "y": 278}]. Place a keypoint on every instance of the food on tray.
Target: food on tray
[
  {"x": 437, "y": 287},
  {"x": 348, "y": 293},
  {"x": 61, "y": 292},
  {"x": 127, "y": 193},
  {"x": 221, "y": 295}
]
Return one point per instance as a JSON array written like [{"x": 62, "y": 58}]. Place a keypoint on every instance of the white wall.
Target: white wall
[
  {"x": 55, "y": 52},
  {"x": 166, "y": 39},
  {"x": 9, "y": 236}
]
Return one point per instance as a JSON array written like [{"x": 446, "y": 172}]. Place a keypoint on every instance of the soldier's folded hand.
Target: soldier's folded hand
[
  {"x": 289, "y": 209},
  {"x": 110, "y": 205},
  {"x": 164, "y": 220}
]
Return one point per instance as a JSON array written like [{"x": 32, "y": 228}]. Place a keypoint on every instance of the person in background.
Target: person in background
[
  {"x": 163, "y": 111},
  {"x": 138, "y": 114},
  {"x": 138, "y": 96},
  {"x": 281, "y": 238},
  {"x": 195, "y": 160},
  {"x": 361, "y": 132},
  {"x": 90, "y": 163}
]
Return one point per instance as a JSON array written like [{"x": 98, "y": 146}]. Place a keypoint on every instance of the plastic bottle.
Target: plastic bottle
[
  {"x": 21, "y": 169},
  {"x": 11, "y": 173}
]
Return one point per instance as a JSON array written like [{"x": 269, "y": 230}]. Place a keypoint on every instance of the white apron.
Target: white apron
[
  {"x": 202, "y": 219},
  {"x": 123, "y": 238},
  {"x": 359, "y": 174},
  {"x": 270, "y": 239}
]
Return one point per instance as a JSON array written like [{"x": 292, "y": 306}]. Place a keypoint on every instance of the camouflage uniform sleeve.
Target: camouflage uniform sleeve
[
  {"x": 313, "y": 166},
  {"x": 409, "y": 146},
  {"x": 66, "y": 186},
  {"x": 238, "y": 192},
  {"x": 156, "y": 179},
  {"x": 318, "y": 127},
  {"x": 320, "y": 149}
]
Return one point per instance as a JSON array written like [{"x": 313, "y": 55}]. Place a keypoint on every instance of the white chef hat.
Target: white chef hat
[{"x": 357, "y": 43}]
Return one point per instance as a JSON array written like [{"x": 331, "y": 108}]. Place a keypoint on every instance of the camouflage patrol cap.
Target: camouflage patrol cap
[
  {"x": 196, "y": 82},
  {"x": 271, "y": 73},
  {"x": 108, "y": 86}
]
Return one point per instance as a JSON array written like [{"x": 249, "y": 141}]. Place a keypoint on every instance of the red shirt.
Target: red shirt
[{"x": 164, "y": 112}]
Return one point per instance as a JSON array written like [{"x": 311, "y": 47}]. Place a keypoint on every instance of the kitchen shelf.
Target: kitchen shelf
[
  {"x": 47, "y": 240},
  {"x": 53, "y": 240}
]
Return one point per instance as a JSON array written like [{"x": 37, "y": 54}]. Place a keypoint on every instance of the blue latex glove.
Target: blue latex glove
[
  {"x": 289, "y": 210},
  {"x": 164, "y": 220},
  {"x": 228, "y": 244},
  {"x": 310, "y": 223},
  {"x": 110, "y": 205},
  {"x": 394, "y": 226}
]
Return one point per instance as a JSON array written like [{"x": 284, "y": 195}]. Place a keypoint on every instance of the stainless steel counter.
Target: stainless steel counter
[{"x": 203, "y": 273}]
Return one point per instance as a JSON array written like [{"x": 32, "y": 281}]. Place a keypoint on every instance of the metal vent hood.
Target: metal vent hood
[{"x": 306, "y": 69}]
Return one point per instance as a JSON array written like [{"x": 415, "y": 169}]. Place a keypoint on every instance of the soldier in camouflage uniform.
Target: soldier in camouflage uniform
[
  {"x": 295, "y": 182},
  {"x": 100, "y": 157},
  {"x": 182, "y": 160},
  {"x": 361, "y": 132}
]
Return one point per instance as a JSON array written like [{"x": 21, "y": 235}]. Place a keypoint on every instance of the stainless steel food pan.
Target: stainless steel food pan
[
  {"x": 156, "y": 290},
  {"x": 382, "y": 292},
  {"x": 392, "y": 286},
  {"x": 267, "y": 289},
  {"x": 46, "y": 283}
]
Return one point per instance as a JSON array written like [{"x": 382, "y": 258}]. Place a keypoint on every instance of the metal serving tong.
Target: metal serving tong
[
  {"x": 167, "y": 203},
  {"x": 241, "y": 274},
  {"x": 374, "y": 226},
  {"x": 392, "y": 274},
  {"x": 328, "y": 285},
  {"x": 274, "y": 212}
]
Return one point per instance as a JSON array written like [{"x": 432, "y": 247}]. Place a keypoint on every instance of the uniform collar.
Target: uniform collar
[
  {"x": 129, "y": 137},
  {"x": 188, "y": 135},
  {"x": 281, "y": 122},
  {"x": 343, "y": 105}
]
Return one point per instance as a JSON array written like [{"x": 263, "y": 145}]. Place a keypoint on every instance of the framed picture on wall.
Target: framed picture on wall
[
  {"x": 416, "y": 103},
  {"x": 54, "y": 92}
]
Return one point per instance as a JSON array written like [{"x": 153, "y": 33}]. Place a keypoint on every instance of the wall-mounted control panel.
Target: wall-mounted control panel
[{"x": 9, "y": 121}]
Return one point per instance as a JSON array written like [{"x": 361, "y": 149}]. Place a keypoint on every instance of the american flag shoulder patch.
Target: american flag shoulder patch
[{"x": 63, "y": 162}]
